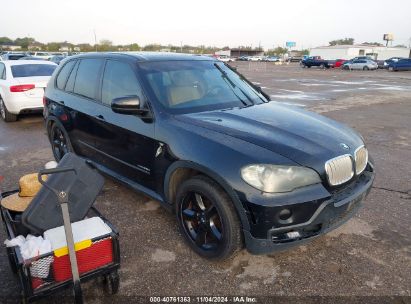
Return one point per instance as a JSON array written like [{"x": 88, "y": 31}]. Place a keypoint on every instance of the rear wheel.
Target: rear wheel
[
  {"x": 60, "y": 142},
  {"x": 5, "y": 114},
  {"x": 322, "y": 66},
  {"x": 365, "y": 68},
  {"x": 208, "y": 219}
]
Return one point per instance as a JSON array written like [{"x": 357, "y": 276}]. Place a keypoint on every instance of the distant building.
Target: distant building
[
  {"x": 35, "y": 46},
  {"x": 9, "y": 47},
  {"x": 65, "y": 47},
  {"x": 236, "y": 52},
  {"x": 351, "y": 51}
]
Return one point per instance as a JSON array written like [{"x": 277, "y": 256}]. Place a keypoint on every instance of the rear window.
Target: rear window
[{"x": 30, "y": 70}]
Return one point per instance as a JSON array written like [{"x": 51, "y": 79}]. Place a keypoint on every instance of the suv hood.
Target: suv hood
[{"x": 304, "y": 137}]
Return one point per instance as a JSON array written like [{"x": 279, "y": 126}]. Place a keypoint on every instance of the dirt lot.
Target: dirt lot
[{"x": 368, "y": 256}]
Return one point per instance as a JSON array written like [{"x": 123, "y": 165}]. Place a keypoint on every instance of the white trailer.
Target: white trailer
[{"x": 351, "y": 51}]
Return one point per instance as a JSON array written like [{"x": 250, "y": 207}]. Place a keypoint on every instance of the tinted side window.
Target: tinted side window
[
  {"x": 119, "y": 80},
  {"x": 64, "y": 74},
  {"x": 72, "y": 78},
  {"x": 87, "y": 76},
  {"x": 2, "y": 71}
]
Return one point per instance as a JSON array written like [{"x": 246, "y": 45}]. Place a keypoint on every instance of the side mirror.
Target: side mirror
[{"x": 129, "y": 105}]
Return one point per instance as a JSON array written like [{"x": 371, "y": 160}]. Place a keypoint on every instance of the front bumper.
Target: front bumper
[{"x": 327, "y": 215}]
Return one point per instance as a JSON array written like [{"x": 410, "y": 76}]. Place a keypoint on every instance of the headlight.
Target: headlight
[{"x": 272, "y": 178}]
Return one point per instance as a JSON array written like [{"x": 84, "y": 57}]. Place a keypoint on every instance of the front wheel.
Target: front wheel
[
  {"x": 5, "y": 114},
  {"x": 207, "y": 219},
  {"x": 365, "y": 68}
]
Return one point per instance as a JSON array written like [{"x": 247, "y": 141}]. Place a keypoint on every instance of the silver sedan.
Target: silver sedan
[{"x": 360, "y": 64}]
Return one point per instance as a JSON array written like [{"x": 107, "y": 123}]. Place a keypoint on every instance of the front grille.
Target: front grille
[
  {"x": 339, "y": 170},
  {"x": 361, "y": 159}
]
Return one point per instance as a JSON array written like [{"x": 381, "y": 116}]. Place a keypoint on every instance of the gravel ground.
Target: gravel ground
[{"x": 366, "y": 260}]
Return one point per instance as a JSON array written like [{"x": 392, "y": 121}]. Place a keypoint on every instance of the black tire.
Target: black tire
[
  {"x": 60, "y": 141},
  {"x": 365, "y": 68},
  {"x": 112, "y": 283},
  {"x": 322, "y": 66},
  {"x": 5, "y": 114},
  {"x": 207, "y": 219}
]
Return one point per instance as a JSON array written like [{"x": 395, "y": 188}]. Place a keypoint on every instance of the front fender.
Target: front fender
[{"x": 241, "y": 210}]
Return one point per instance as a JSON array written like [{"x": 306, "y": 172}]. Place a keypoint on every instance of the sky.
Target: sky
[{"x": 219, "y": 23}]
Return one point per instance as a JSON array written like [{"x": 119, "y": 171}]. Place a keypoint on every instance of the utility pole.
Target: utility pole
[
  {"x": 181, "y": 46},
  {"x": 95, "y": 39}
]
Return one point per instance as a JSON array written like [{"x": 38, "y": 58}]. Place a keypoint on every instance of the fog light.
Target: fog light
[{"x": 284, "y": 214}]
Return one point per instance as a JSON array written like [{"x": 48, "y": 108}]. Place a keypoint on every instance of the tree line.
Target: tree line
[{"x": 105, "y": 45}]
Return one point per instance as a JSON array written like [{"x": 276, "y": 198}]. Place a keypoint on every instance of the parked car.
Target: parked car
[
  {"x": 295, "y": 58},
  {"x": 361, "y": 64},
  {"x": 22, "y": 84},
  {"x": 57, "y": 58},
  {"x": 30, "y": 58},
  {"x": 363, "y": 58},
  {"x": 243, "y": 58},
  {"x": 13, "y": 56},
  {"x": 42, "y": 55},
  {"x": 272, "y": 59},
  {"x": 338, "y": 63},
  {"x": 400, "y": 65},
  {"x": 224, "y": 58},
  {"x": 391, "y": 60},
  {"x": 255, "y": 58},
  {"x": 189, "y": 131},
  {"x": 315, "y": 61}
]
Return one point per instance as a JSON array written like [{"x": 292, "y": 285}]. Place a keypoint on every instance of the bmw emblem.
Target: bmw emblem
[{"x": 344, "y": 146}]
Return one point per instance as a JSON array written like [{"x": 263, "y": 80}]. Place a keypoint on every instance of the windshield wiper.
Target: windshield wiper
[
  {"x": 233, "y": 86},
  {"x": 241, "y": 76}
]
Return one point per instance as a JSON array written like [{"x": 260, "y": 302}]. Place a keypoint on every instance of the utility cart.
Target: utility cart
[{"x": 74, "y": 262}]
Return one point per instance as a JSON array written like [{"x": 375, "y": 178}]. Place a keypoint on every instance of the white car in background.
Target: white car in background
[
  {"x": 224, "y": 58},
  {"x": 42, "y": 55},
  {"x": 22, "y": 85},
  {"x": 255, "y": 58}
]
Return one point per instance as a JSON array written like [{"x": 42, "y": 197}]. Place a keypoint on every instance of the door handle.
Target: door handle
[{"x": 101, "y": 117}]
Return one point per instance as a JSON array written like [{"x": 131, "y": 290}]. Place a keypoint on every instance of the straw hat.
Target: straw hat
[{"x": 29, "y": 186}]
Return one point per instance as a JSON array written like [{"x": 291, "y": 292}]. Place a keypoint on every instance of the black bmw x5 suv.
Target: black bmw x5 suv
[{"x": 192, "y": 133}]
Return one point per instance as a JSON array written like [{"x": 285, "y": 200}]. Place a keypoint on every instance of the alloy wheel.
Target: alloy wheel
[
  {"x": 59, "y": 143},
  {"x": 201, "y": 221}
]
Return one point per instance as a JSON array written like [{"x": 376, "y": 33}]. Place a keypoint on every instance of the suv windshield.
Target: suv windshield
[
  {"x": 196, "y": 86},
  {"x": 30, "y": 70}
]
